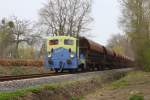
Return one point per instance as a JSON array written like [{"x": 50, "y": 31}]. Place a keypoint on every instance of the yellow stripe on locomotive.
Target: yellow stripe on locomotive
[{"x": 66, "y": 42}]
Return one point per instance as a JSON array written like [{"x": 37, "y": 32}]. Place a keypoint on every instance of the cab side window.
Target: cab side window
[
  {"x": 53, "y": 42},
  {"x": 68, "y": 42}
]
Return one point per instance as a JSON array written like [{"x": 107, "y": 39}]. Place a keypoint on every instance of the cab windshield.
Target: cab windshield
[
  {"x": 68, "y": 42},
  {"x": 53, "y": 42}
]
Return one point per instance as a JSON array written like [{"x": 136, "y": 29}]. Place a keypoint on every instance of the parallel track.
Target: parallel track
[{"x": 19, "y": 77}]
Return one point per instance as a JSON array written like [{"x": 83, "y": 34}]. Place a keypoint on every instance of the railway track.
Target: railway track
[{"x": 19, "y": 77}]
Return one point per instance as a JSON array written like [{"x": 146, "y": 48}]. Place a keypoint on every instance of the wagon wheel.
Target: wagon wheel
[
  {"x": 83, "y": 67},
  {"x": 98, "y": 68}
]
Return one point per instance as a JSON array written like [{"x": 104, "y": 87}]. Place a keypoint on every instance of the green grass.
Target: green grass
[
  {"x": 36, "y": 89},
  {"x": 76, "y": 98},
  {"x": 11, "y": 95},
  {"x": 18, "y": 70},
  {"x": 23, "y": 92},
  {"x": 129, "y": 79},
  {"x": 136, "y": 74},
  {"x": 136, "y": 97},
  {"x": 119, "y": 84}
]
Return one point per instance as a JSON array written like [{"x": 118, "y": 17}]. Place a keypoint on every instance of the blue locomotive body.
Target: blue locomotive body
[{"x": 62, "y": 54}]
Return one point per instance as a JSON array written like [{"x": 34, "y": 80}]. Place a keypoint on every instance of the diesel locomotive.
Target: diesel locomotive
[{"x": 72, "y": 54}]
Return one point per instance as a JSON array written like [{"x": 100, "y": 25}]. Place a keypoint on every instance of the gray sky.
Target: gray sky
[{"x": 105, "y": 14}]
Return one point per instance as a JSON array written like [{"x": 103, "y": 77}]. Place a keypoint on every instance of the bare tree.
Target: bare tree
[
  {"x": 5, "y": 37},
  {"x": 121, "y": 44},
  {"x": 66, "y": 16},
  {"x": 23, "y": 31}
]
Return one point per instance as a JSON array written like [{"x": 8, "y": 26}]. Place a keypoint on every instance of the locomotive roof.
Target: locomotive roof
[
  {"x": 92, "y": 45},
  {"x": 60, "y": 37}
]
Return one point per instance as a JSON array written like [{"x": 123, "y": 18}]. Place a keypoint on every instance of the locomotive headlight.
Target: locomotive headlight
[
  {"x": 49, "y": 54},
  {"x": 71, "y": 55}
]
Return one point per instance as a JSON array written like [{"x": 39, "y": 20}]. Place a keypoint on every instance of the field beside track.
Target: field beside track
[
  {"x": 134, "y": 86},
  {"x": 21, "y": 70},
  {"x": 21, "y": 67}
]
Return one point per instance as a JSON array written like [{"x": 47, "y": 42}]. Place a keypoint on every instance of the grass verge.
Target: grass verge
[
  {"x": 131, "y": 78},
  {"x": 23, "y": 92},
  {"x": 38, "y": 89}
]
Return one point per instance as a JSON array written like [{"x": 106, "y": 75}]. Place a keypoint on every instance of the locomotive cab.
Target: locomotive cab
[{"x": 61, "y": 53}]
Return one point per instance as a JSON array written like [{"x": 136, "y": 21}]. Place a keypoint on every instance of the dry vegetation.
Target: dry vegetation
[
  {"x": 21, "y": 62},
  {"x": 21, "y": 67},
  {"x": 21, "y": 70}
]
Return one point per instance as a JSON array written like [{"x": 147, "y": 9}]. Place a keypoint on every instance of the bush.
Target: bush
[{"x": 146, "y": 60}]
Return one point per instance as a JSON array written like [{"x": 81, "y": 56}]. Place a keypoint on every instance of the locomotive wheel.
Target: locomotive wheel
[
  {"x": 73, "y": 70},
  {"x": 56, "y": 70},
  {"x": 82, "y": 67}
]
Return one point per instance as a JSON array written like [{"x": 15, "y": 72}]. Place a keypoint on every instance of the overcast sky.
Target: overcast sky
[{"x": 105, "y": 14}]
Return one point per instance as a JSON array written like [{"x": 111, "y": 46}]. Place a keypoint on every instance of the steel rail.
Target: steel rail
[{"x": 19, "y": 77}]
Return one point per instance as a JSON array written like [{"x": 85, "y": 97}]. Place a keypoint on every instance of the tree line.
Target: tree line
[
  {"x": 16, "y": 35},
  {"x": 20, "y": 38},
  {"x": 135, "y": 23}
]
